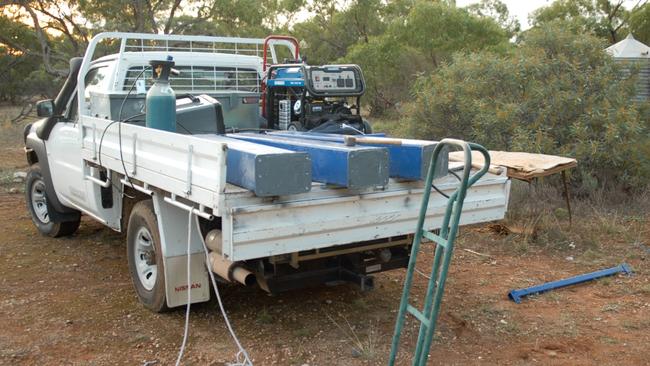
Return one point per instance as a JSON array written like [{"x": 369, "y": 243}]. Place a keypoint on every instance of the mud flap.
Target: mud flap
[{"x": 172, "y": 223}]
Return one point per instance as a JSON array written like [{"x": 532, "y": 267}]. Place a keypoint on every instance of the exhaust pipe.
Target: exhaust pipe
[
  {"x": 231, "y": 271},
  {"x": 213, "y": 240}
]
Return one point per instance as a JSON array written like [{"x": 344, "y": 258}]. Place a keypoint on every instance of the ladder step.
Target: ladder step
[
  {"x": 418, "y": 314},
  {"x": 435, "y": 238}
]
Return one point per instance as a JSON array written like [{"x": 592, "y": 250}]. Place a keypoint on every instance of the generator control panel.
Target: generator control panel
[
  {"x": 335, "y": 80},
  {"x": 323, "y": 80}
]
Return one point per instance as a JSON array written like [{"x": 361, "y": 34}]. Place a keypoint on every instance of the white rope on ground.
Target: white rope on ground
[
  {"x": 246, "y": 361},
  {"x": 241, "y": 358},
  {"x": 189, "y": 288},
  {"x": 422, "y": 274}
]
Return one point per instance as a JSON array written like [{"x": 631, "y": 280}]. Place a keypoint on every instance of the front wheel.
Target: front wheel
[
  {"x": 145, "y": 257},
  {"x": 39, "y": 210}
]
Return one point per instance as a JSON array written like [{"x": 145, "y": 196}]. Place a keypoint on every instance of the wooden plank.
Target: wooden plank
[
  {"x": 521, "y": 165},
  {"x": 513, "y": 173}
]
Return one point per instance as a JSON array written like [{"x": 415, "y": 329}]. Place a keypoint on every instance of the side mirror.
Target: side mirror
[{"x": 45, "y": 108}]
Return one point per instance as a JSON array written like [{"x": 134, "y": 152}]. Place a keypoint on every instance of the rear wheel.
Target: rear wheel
[
  {"x": 145, "y": 257},
  {"x": 39, "y": 210},
  {"x": 295, "y": 126},
  {"x": 367, "y": 128}
]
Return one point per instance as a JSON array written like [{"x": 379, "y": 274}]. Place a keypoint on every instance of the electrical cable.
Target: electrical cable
[
  {"x": 441, "y": 192},
  {"x": 242, "y": 358},
  {"x": 345, "y": 125},
  {"x": 101, "y": 139},
  {"x": 241, "y": 351},
  {"x": 119, "y": 125},
  {"x": 246, "y": 361},
  {"x": 119, "y": 122},
  {"x": 101, "y": 142},
  {"x": 189, "y": 290},
  {"x": 455, "y": 175}
]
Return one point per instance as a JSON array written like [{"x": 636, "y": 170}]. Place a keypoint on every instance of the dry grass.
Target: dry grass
[
  {"x": 363, "y": 346},
  {"x": 11, "y": 132},
  {"x": 390, "y": 126},
  {"x": 11, "y": 142},
  {"x": 539, "y": 218},
  {"x": 264, "y": 317}
]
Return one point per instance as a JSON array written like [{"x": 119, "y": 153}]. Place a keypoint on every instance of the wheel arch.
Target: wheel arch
[
  {"x": 129, "y": 199},
  {"x": 37, "y": 153}
]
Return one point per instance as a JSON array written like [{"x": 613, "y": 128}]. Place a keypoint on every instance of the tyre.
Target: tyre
[
  {"x": 295, "y": 126},
  {"x": 40, "y": 211},
  {"x": 145, "y": 257},
  {"x": 367, "y": 129}
]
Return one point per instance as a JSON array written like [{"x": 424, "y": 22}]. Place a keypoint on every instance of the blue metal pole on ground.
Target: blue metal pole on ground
[{"x": 516, "y": 295}]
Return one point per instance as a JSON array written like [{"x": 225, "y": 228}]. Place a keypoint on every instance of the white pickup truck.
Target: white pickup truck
[{"x": 169, "y": 191}]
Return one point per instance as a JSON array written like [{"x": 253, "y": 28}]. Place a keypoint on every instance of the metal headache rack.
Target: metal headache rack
[
  {"x": 139, "y": 42},
  {"x": 203, "y": 79},
  {"x": 237, "y": 46}
]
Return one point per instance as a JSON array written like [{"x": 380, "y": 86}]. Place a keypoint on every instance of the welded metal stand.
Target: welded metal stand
[{"x": 443, "y": 252}]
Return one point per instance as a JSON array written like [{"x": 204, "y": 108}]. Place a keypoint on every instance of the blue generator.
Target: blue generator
[{"x": 324, "y": 99}]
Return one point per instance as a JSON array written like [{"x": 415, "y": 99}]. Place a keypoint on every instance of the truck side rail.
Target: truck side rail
[{"x": 183, "y": 165}]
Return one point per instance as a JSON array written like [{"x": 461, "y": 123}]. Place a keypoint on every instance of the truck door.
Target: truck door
[
  {"x": 64, "y": 157},
  {"x": 64, "y": 153}
]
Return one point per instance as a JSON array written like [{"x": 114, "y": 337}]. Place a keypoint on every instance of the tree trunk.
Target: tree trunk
[{"x": 42, "y": 39}]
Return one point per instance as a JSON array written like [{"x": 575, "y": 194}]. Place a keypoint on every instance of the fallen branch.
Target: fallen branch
[
  {"x": 24, "y": 113},
  {"x": 477, "y": 253}
]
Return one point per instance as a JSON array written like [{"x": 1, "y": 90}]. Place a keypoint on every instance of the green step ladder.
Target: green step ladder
[{"x": 443, "y": 252}]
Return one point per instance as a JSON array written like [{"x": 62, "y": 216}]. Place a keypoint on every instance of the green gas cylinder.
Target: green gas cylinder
[{"x": 161, "y": 99}]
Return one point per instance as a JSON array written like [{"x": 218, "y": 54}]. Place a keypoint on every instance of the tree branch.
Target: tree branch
[
  {"x": 152, "y": 16},
  {"x": 63, "y": 25},
  {"x": 42, "y": 39},
  {"x": 137, "y": 16},
  {"x": 170, "y": 19}
]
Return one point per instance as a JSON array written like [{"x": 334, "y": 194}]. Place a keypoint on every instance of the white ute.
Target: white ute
[{"x": 160, "y": 186}]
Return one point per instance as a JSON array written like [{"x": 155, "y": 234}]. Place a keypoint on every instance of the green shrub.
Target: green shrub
[
  {"x": 389, "y": 67},
  {"x": 414, "y": 44},
  {"x": 556, "y": 93}
]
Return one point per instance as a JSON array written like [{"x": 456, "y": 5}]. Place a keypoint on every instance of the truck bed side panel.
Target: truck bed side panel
[{"x": 256, "y": 231}]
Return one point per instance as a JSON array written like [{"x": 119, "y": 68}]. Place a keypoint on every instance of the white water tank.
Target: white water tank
[{"x": 630, "y": 53}]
